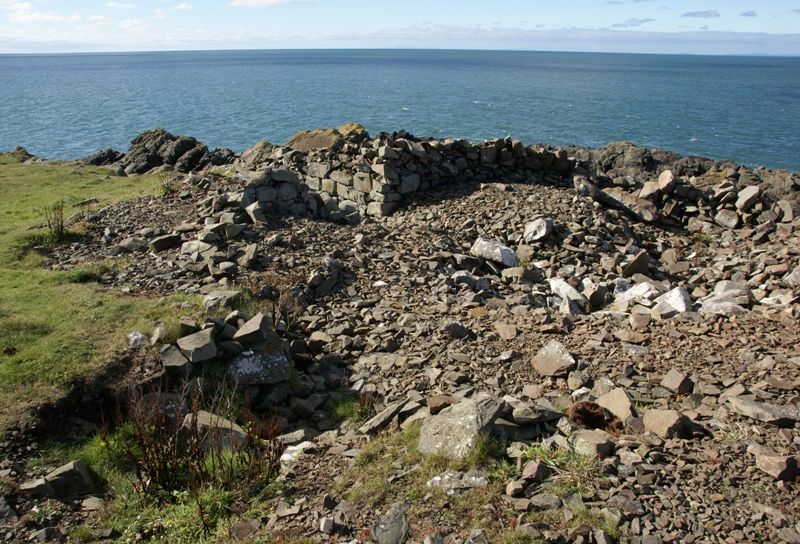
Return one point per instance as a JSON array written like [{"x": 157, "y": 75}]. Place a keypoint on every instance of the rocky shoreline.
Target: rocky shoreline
[{"x": 623, "y": 304}]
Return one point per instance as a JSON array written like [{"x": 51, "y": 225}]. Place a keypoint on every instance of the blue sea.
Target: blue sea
[{"x": 746, "y": 109}]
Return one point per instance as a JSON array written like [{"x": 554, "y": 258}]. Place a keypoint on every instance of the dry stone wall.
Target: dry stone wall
[{"x": 374, "y": 177}]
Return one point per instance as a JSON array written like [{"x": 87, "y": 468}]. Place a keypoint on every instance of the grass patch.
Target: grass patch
[
  {"x": 574, "y": 473},
  {"x": 564, "y": 520},
  {"x": 58, "y": 326},
  {"x": 353, "y": 408},
  {"x": 204, "y": 489},
  {"x": 390, "y": 468}
]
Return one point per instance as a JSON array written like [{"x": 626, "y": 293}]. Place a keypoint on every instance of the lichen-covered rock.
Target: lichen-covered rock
[{"x": 456, "y": 430}]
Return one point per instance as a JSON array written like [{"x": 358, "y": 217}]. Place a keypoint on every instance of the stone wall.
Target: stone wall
[{"x": 374, "y": 177}]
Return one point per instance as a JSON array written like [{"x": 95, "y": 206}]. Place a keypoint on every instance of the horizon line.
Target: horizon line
[{"x": 497, "y": 50}]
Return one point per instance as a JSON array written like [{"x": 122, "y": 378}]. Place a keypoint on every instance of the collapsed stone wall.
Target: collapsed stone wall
[{"x": 374, "y": 177}]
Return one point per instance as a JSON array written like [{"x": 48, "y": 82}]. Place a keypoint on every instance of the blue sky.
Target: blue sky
[{"x": 658, "y": 26}]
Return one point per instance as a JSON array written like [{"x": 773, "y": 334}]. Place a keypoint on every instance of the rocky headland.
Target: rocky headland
[{"x": 625, "y": 308}]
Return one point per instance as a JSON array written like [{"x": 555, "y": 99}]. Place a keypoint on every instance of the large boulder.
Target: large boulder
[{"x": 455, "y": 431}]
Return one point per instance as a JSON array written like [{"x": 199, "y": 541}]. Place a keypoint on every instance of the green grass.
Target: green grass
[
  {"x": 390, "y": 468},
  {"x": 573, "y": 473},
  {"x": 59, "y": 326},
  {"x": 192, "y": 514},
  {"x": 557, "y": 519},
  {"x": 352, "y": 408}
]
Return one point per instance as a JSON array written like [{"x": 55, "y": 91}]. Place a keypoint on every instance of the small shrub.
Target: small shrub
[
  {"x": 166, "y": 185},
  {"x": 170, "y": 456},
  {"x": 53, "y": 216}
]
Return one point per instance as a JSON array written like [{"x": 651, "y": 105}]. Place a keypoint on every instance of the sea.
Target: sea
[{"x": 745, "y": 109}]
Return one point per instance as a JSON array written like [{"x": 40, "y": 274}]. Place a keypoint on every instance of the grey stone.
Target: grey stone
[
  {"x": 618, "y": 403},
  {"x": 538, "y": 230},
  {"x": 285, "y": 175},
  {"x": 257, "y": 329},
  {"x": 566, "y": 291},
  {"x": 666, "y": 423},
  {"x": 318, "y": 169},
  {"x": 535, "y": 471},
  {"x": 553, "y": 360},
  {"x": 165, "y": 242},
  {"x": 545, "y": 501},
  {"x": 217, "y": 300},
  {"x": 456, "y": 430},
  {"x": 392, "y": 527},
  {"x": 677, "y": 382},
  {"x": 454, "y": 329},
  {"x": 666, "y": 181},
  {"x": 747, "y": 197},
  {"x": 253, "y": 368},
  {"x": 7, "y": 514},
  {"x": 495, "y": 252},
  {"x": 650, "y": 190},
  {"x": 409, "y": 183},
  {"x": 780, "y": 467},
  {"x": 213, "y": 432},
  {"x": 638, "y": 264},
  {"x": 256, "y": 213},
  {"x": 134, "y": 245},
  {"x": 792, "y": 279},
  {"x": 592, "y": 443},
  {"x": 48, "y": 534},
  {"x": 728, "y": 219},
  {"x": 200, "y": 346},
  {"x": 454, "y": 483},
  {"x": 477, "y": 536},
  {"x": 39, "y": 488},
  {"x": 382, "y": 419},
  {"x": 678, "y": 299},
  {"x": 782, "y": 416},
  {"x": 174, "y": 362},
  {"x": 72, "y": 480},
  {"x": 196, "y": 246}
]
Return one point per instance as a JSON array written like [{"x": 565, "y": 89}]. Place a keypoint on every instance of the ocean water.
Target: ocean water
[{"x": 745, "y": 109}]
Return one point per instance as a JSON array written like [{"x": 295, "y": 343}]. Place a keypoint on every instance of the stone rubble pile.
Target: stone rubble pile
[{"x": 623, "y": 304}]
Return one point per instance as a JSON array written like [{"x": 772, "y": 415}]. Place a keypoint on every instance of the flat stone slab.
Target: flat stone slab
[
  {"x": 553, "y": 360},
  {"x": 781, "y": 416}
]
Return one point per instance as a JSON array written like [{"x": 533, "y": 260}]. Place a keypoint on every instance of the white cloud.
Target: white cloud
[
  {"x": 130, "y": 23},
  {"x": 183, "y": 6},
  {"x": 159, "y": 14},
  {"x": 98, "y": 18},
  {"x": 119, "y": 5},
  {"x": 264, "y": 3},
  {"x": 24, "y": 12}
]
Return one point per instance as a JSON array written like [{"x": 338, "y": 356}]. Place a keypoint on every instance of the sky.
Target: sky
[{"x": 750, "y": 27}]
